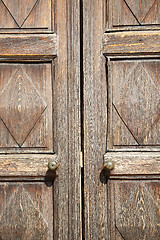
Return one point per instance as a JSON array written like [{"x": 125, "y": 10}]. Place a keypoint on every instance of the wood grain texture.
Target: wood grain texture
[
  {"x": 26, "y": 211},
  {"x": 134, "y": 163},
  {"x": 128, "y": 43},
  {"x": 26, "y": 107},
  {"x": 23, "y": 14},
  {"x": 129, "y": 13},
  {"x": 66, "y": 205},
  {"x": 67, "y": 191},
  {"x": 22, "y": 165},
  {"x": 133, "y": 203},
  {"x": 28, "y": 45},
  {"x": 95, "y": 111},
  {"x": 134, "y": 87},
  {"x": 135, "y": 210}
]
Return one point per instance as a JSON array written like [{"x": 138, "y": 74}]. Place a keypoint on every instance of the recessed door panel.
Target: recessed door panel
[
  {"x": 26, "y": 106},
  {"x": 133, "y": 14},
  {"x": 26, "y": 210},
  {"x": 24, "y": 15},
  {"x": 135, "y": 210},
  {"x": 134, "y": 106}
]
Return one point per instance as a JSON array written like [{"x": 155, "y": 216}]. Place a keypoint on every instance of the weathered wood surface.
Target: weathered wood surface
[
  {"x": 129, "y": 163},
  {"x": 133, "y": 87},
  {"x": 95, "y": 122},
  {"x": 26, "y": 210},
  {"x": 131, "y": 14},
  {"x": 26, "y": 107},
  {"x": 134, "y": 163},
  {"x": 66, "y": 206},
  {"x": 134, "y": 207},
  {"x": 67, "y": 201},
  {"x": 24, "y": 165},
  {"x": 24, "y": 14},
  {"x": 131, "y": 42},
  {"x": 28, "y": 45}
]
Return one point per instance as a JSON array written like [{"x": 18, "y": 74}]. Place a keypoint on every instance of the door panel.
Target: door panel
[
  {"x": 23, "y": 15},
  {"x": 121, "y": 120},
  {"x": 40, "y": 120},
  {"x": 128, "y": 14},
  {"x": 26, "y": 107},
  {"x": 26, "y": 210},
  {"x": 134, "y": 85},
  {"x": 135, "y": 209}
]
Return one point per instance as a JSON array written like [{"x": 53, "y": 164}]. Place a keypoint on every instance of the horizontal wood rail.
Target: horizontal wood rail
[
  {"x": 129, "y": 43},
  {"x": 29, "y": 165},
  {"x": 37, "y": 45},
  {"x": 134, "y": 163}
]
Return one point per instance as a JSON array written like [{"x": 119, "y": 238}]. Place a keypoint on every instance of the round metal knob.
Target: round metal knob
[
  {"x": 109, "y": 165},
  {"x": 53, "y": 165}
]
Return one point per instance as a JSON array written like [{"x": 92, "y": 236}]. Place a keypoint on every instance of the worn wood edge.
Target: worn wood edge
[
  {"x": 134, "y": 163},
  {"x": 112, "y": 28},
  {"x": 38, "y": 45},
  {"x": 127, "y": 43},
  {"x": 32, "y": 165},
  {"x": 134, "y": 177}
]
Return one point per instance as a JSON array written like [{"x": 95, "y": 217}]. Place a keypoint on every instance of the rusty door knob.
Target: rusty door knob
[
  {"x": 109, "y": 165},
  {"x": 53, "y": 165}
]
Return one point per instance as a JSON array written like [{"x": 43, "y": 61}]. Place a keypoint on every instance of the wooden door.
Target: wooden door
[
  {"x": 39, "y": 120},
  {"x": 121, "y": 119}
]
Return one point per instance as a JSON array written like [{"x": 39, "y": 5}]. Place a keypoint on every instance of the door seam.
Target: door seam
[{"x": 82, "y": 121}]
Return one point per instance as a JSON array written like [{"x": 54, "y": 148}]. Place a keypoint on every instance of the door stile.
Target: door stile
[
  {"x": 68, "y": 216},
  {"x": 95, "y": 120}
]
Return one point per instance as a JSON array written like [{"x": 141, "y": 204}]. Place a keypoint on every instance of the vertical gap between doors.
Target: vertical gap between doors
[{"x": 82, "y": 115}]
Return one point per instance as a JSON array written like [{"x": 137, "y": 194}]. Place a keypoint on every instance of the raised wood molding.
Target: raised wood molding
[
  {"x": 29, "y": 45},
  {"x": 134, "y": 163},
  {"x": 129, "y": 43},
  {"x": 32, "y": 165}
]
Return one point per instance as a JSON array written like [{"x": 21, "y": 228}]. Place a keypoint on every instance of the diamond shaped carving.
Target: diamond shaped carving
[
  {"x": 20, "y": 9},
  {"x": 21, "y": 106},
  {"x": 140, "y": 8},
  {"x": 141, "y": 217},
  {"x": 137, "y": 102},
  {"x": 21, "y": 220}
]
